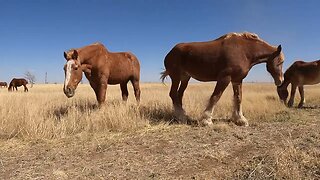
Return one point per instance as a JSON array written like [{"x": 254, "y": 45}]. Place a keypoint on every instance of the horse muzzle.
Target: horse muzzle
[
  {"x": 69, "y": 92},
  {"x": 278, "y": 83}
]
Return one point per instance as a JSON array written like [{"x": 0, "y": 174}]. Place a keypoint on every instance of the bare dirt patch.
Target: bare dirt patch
[
  {"x": 44, "y": 135},
  {"x": 281, "y": 148}
]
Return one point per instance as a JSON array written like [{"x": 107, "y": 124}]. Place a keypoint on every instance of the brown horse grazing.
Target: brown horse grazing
[
  {"x": 3, "y": 84},
  {"x": 226, "y": 59},
  {"x": 300, "y": 73},
  {"x": 17, "y": 83},
  {"x": 101, "y": 67}
]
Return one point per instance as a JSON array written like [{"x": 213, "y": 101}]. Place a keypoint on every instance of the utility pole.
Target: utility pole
[{"x": 46, "y": 78}]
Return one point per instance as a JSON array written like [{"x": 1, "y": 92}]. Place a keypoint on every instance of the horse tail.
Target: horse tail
[
  {"x": 169, "y": 63},
  {"x": 164, "y": 74}
]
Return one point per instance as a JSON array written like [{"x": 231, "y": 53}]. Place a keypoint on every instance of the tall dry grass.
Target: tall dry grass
[{"x": 45, "y": 112}]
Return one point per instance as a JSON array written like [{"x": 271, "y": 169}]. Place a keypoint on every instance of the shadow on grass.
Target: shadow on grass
[
  {"x": 82, "y": 106},
  {"x": 309, "y": 107},
  {"x": 62, "y": 111},
  {"x": 162, "y": 114}
]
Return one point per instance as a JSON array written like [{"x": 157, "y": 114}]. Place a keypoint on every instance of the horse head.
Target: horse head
[
  {"x": 73, "y": 72},
  {"x": 274, "y": 66},
  {"x": 283, "y": 93}
]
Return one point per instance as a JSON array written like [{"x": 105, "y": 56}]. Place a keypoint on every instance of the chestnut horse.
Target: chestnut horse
[
  {"x": 226, "y": 59},
  {"x": 3, "y": 84},
  {"x": 101, "y": 67},
  {"x": 300, "y": 73},
  {"x": 17, "y": 83}
]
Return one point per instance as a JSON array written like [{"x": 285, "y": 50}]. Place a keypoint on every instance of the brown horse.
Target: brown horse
[
  {"x": 101, "y": 67},
  {"x": 3, "y": 84},
  {"x": 300, "y": 73},
  {"x": 17, "y": 83},
  {"x": 226, "y": 59}
]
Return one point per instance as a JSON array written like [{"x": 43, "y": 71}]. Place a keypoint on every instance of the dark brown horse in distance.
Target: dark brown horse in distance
[
  {"x": 3, "y": 84},
  {"x": 17, "y": 83},
  {"x": 300, "y": 73},
  {"x": 101, "y": 67},
  {"x": 226, "y": 59}
]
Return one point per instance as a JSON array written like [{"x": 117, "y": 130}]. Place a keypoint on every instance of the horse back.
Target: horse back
[
  {"x": 301, "y": 72},
  {"x": 123, "y": 66}
]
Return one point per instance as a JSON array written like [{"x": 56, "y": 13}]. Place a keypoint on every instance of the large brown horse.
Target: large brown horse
[
  {"x": 300, "y": 73},
  {"x": 101, "y": 67},
  {"x": 3, "y": 84},
  {"x": 15, "y": 83},
  {"x": 226, "y": 59}
]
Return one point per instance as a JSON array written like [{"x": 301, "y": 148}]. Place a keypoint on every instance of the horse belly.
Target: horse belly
[
  {"x": 203, "y": 77},
  {"x": 202, "y": 74},
  {"x": 118, "y": 76},
  {"x": 311, "y": 79},
  {"x": 113, "y": 81}
]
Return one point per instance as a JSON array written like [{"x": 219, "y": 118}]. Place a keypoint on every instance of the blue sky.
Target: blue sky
[{"x": 34, "y": 33}]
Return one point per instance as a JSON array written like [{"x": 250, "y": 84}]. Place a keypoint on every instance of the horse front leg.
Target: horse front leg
[
  {"x": 101, "y": 94},
  {"x": 222, "y": 84},
  {"x": 292, "y": 94},
  {"x": 302, "y": 100},
  {"x": 25, "y": 88},
  {"x": 136, "y": 88},
  {"x": 100, "y": 89},
  {"x": 124, "y": 91},
  {"x": 237, "y": 116}
]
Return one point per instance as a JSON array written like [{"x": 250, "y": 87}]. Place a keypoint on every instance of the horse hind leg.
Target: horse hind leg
[
  {"x": 136, "y": 88},
  {"x": 177, "y": 105},
  {"x": 302, "y": 100},
  {"x": 179, "y": 111},
  {"x": 124, "y": 91}
]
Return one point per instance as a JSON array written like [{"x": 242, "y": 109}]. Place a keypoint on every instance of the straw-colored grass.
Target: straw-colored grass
[
  {"x": 45, "y": 112},
  {"x": 45, "y": 135}
]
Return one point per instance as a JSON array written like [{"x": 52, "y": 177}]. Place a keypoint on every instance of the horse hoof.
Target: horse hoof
[
  {"x": 206, "y": 122},
  {"x": 300, "y": 105},
  {"x": 241, "y": 122}
]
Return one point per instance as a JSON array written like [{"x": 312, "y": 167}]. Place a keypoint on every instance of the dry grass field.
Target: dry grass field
[{"x": 44, "y": 135}]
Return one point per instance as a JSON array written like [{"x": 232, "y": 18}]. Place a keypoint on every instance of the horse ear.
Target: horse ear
[
  {"x": 279, "y": 49},
  {"x": 65, "y": 55},
  {"x": 277, "y": 53},
  {"x": 75, "y": 54}
]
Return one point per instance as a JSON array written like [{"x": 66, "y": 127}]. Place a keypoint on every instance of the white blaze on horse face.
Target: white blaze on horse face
[{"x": 68, "y": 72}]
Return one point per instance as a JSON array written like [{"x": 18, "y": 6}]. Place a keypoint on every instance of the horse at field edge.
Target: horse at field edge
[
  {"x": 300, "y": 73},
  {"x": 225, "y": 59},
  {"x": 17, "y": 82},
  {"x": 101, "y": 68},
  {"x": 3, "y": 84}
]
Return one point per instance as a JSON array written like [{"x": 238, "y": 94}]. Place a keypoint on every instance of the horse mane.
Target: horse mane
[
  {"x": 246, "y": 35},
  {"x": 98, "y": 44}
]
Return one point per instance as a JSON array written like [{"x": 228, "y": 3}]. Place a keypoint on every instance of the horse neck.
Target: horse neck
[
  {"x": 87, "y": 54},
  {"x": 262, "y": 53}
]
